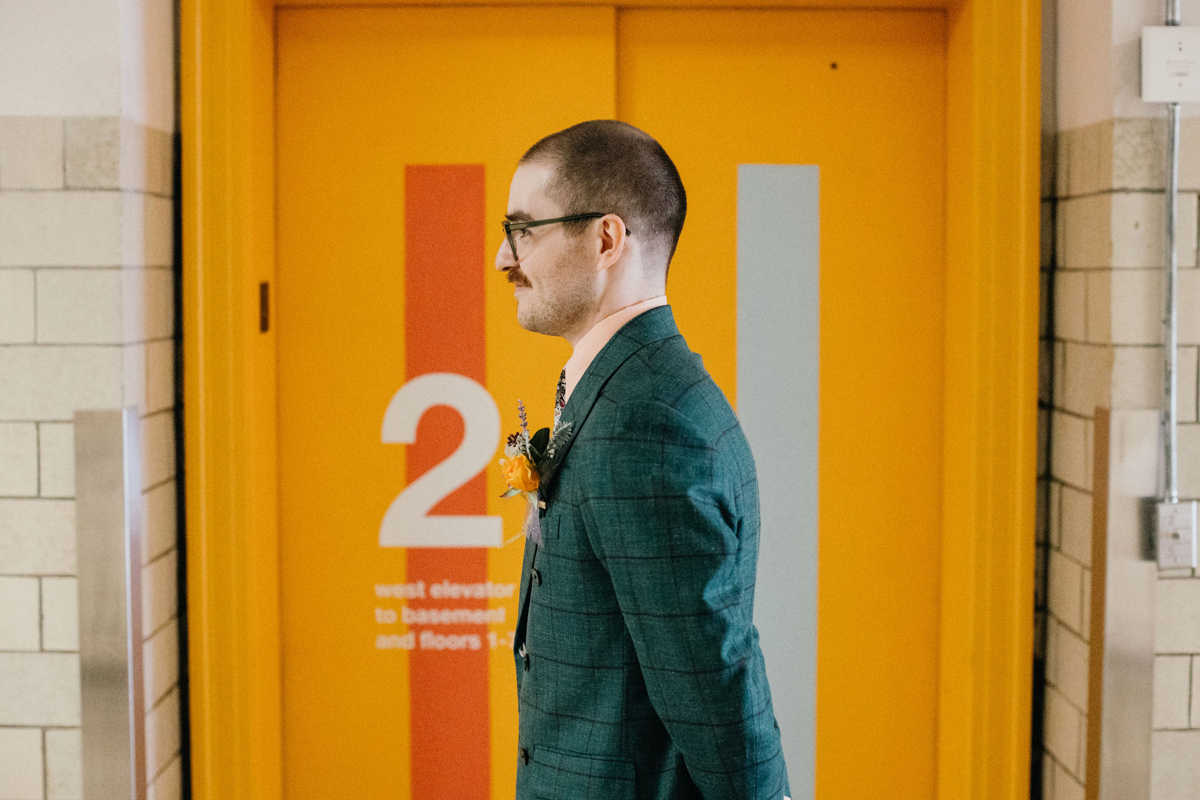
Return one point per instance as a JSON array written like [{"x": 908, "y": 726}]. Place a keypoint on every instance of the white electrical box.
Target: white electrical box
[
  {"x": 1177, "y": 535},
  {"x": 1171, "y": 64}
]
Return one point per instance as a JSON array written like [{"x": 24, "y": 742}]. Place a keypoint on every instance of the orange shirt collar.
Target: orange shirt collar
[{"x": 594, "y": 340}]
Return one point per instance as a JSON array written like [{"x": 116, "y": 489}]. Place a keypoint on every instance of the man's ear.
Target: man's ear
[{"x": 612, "y": 240}]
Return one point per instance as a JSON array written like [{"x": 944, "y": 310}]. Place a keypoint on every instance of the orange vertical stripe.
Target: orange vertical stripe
[{"x": 444, "y": 332}]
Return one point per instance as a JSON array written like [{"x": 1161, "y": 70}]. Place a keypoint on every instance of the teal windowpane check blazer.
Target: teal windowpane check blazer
[{"x": 639, "y": 672}]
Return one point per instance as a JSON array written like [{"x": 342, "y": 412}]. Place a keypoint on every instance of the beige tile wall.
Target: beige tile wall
[
  {"x": 1106, "y": 347},
  {"x": 86, "y": 321}
]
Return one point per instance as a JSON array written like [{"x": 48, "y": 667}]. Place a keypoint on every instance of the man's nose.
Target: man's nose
[{"x": 504, "y": 257}]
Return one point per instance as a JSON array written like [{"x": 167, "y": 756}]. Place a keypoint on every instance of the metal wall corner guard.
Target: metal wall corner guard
[
  {"x": 108, "y": 532},
  {"x": 1121, "y": 663}
]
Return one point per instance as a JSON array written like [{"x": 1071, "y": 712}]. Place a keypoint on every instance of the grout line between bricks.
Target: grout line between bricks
[
  {"x": 41, "y": 727},
  {"x": 88, "y": 267},
  {"x": 162, "y": 627},
  {"x": 147, "y": 489},
  {"x": 63, "y": 122},
  {"x": 174, "y": 687},
  {"x": 1116, "y": 190},
  {"x": 90, "y": 190},
  {"x": 1070, "y": 557},
  {"x": 175, "y": 755},
  {"x": 37, "y": 435},
  {"x": 35, "y": 308}
]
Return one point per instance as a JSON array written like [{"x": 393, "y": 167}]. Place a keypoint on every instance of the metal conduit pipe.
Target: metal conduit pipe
[
  {"x": 1176, "y": 521},
  {"x": 1168, "y": 75},
  {"x": 1170, "y": 413}
]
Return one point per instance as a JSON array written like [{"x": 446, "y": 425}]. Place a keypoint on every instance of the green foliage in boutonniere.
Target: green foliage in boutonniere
[{"x": 525, "y": 455}]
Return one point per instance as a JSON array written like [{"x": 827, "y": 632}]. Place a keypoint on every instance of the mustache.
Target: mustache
[{"x": 515, "y": 276}]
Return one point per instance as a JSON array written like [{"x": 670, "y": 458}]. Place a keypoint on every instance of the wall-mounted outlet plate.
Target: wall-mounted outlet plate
[
  {"x": 1177, "y": 535},
  {"x": 1171, "y": 64}
]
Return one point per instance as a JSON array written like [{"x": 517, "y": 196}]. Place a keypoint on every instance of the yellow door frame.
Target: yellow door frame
[{"x": 990, "y": 399}]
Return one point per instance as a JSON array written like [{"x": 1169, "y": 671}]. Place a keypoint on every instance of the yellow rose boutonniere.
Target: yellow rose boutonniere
[
  {"x": 523, "y": 456},
  {"x": 519, "y": 474}
]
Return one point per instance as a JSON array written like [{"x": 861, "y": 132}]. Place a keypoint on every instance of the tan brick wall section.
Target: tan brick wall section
[
  {"x": 86, "y": 321},
  {"x": 1107, "y": 351}
]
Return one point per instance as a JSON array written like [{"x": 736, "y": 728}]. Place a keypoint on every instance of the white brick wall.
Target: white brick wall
[
  {"x": 86, "y": 321},
  {"x": 50, "y": 382},
  {"x": 168, "y": 784},
  {"x": 21, "y": 622},
  {"x": 16, "y": 306},
  {"x": 37, "y": 537},
  {"x": 1175, "y": 766},
  {"x": 56, "y": 459},
  {"x": 18, "y": 459},
  {"x": 39, "y": 689},
  {"x": 1106, "y": 351},
  {"x": 1172, "y": 691},
  {"x": 31, "y": 153},
  {"x": 60, "y": 614},
  {"x": 60, "y": 295},
  {"x": 1177, "y": 616},
  {"x": 63, "y": 228},
  {"x": 63, "y": 775},
  {"x": 1189, "y": 461},
  {"x": 20, "y": 763}
]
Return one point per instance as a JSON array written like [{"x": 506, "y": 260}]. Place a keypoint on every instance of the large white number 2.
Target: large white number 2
[{"x": 407, "y": 522}]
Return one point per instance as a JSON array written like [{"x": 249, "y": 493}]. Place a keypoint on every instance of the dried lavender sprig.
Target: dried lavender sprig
[
  {"x": 524, "y": 420},
  {"x": 524, "y": 433}
]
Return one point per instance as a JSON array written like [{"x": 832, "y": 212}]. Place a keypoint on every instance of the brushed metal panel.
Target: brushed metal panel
[
  {"x": 1121, "y": 672},
  {"x": 109, "y": 541}
]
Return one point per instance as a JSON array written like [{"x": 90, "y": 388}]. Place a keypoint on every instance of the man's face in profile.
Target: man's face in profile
[{"x": 553, "y": 282}]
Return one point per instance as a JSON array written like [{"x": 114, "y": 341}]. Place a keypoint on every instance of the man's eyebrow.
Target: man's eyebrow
[{"x": 518, "y": 216}]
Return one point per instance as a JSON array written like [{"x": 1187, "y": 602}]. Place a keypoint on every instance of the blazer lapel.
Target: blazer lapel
[{"x": 651, "y": 326}]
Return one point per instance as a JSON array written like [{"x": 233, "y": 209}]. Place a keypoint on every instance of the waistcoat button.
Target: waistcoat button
[
  {"x": 537, "y": 577},
  {"x": 524, "y": 756}
]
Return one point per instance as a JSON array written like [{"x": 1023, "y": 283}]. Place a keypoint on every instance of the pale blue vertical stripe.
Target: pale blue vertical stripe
[{"x": 777, "y": 271}]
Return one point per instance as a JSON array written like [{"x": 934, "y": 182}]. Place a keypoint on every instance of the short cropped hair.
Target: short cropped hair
[{"x": 609, "y": 166}]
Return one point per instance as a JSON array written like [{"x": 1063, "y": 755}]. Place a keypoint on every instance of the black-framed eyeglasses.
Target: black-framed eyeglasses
[{"x": 510, "y": 227}]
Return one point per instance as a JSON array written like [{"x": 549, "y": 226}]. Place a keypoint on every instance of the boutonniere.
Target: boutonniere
[{"x": 524, "y": 457}]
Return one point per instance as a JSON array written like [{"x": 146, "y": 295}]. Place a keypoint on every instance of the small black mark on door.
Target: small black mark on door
[{"x": 264, "y": 307}]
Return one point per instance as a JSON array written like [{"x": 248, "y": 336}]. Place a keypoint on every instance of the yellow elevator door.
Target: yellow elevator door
[{"x": 392, "y": 121}]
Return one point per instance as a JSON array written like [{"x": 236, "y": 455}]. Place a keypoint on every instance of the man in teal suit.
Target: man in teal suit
[{"x": 639, "y": 672}]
